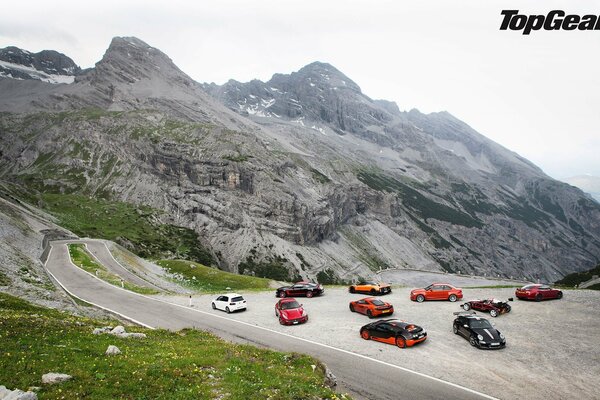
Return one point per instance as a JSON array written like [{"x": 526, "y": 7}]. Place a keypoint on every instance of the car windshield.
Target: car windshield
[
  {"x": 480, "y": 324},
  {"x": 288, "y": 305},
  {"x": 236, "y": 299},
  {"x": 529, "y": 287},
  {"x": 378, "y": 302}
]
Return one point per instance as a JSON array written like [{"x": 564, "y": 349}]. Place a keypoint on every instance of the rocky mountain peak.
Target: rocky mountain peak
[
  {"x": 46, "y": 65},
  {"x": 130, "y": 60}
]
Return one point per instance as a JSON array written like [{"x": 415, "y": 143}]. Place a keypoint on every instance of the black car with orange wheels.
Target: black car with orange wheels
[{"x": 393, "y": 331}]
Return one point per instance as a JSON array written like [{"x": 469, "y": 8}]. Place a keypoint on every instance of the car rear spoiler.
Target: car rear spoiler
[{"x": 464, "y": 313}]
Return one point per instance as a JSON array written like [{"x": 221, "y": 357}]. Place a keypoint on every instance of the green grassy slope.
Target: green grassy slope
[
  {"x": 166, "y": 365},
  {"x": 207, "y": 279}
]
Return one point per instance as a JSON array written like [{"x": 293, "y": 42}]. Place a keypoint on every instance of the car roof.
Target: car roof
[
  {"x": 287, "y": 299},
  {"x": 230, "y": 295}
]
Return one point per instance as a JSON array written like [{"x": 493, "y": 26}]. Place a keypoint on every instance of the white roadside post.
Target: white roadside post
[
  {"x": 122, "y": 283},
  {"x": 190, "y": 300}
]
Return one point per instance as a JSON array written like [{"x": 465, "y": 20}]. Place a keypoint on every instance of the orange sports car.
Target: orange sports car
[
  {"x": 371, "y": 307},
  {"x": 371, "y": 288},
  {"x": 436, "y": 291}
]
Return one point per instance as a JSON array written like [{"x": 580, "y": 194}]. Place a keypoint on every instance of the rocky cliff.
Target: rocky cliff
[{"x": 303, "y": 172}]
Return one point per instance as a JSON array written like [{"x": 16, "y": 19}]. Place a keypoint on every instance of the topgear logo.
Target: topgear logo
[{"x": 554, "y": 21}]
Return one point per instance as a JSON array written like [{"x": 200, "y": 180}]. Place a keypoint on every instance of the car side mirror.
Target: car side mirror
[
  {"x": 301, "y": 305},
  {"x": 466, "y": 326},
  {"x": 493, "y": 324},
  {"x": 511, "y": 299}
]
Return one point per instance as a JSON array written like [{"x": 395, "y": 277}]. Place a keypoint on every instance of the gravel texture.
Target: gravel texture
[{"x": 552, "y": 347}]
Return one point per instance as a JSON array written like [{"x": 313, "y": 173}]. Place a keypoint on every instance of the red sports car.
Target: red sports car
[
  {"x": 290, "y": 312},
  {"x": 495, "y": 307},
  {"x": 372, "y": 307},
  {"x": 538, "y": 292},
  {"x": 436, "y": 291}
]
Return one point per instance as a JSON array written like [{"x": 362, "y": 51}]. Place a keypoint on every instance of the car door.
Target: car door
[
  {"x": 461, "y": 327},
  {"x": 436, "y": 292},
  {"x": 297, "y": 290},
  {"x": 221, "y": 302},
  {"x": 381, "y": 332},
  {"x": 545, "y": 291},
  {"x": 361, "y": 306}
]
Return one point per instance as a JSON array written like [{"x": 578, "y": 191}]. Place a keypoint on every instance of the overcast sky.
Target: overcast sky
[{"x": 538, "y": 95}]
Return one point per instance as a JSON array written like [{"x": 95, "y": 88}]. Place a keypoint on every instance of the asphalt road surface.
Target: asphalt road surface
[{"x": 360, "y": 376}]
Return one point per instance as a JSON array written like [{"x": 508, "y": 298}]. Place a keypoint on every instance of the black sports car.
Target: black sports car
[
  {"x": 394, "y": 331},
  {"x": 478, "y": 331},
  {"x": 308, "y": 289}
]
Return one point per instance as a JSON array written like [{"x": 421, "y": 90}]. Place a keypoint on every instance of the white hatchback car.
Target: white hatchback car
[{"x": 229, "y": 302}]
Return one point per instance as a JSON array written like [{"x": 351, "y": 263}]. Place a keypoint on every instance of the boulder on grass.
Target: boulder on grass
[{"x": 52, "y": 377}]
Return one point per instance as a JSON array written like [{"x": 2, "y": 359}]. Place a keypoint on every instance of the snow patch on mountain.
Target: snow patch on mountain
[{"x": 7, "y": 70}]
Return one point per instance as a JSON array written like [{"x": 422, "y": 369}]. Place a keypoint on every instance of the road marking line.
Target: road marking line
[{"x": 273, "y": 331}]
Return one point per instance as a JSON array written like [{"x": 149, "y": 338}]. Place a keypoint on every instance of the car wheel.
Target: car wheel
[
  {"x": 369, "y": 314},
  {"x": 276, "y": 313},
  {"x": 455, "y": 329},
  {"x": 214, "y": 307},
  {"x": 351, "y": 308},
  {"x": 473, "y": 341},
  {"x": 420, "y": 298},
  {"x": 309, "y": 294},
  {"x": 466, "y": 306},
  {"x": 365, "y": 334},
  {"x": 493, "y": 313},
  {"x": 228, "y": 310},
  {"x": 373, "y": 292},
  {"x": 400, "y": 342},
  {"x": 282, "y": 294},
  {"x": 559, "y": 295},
  {"x": 352, "y": 289},
  {"x": 538, "y": 297},
  {"x": 452, "y": 298}
]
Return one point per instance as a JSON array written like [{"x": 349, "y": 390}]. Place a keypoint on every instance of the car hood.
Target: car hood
[
  {"x": 292, "y": 313},
  {"x": 488, "y": 334},
  {"x": 418, "y": 291}
]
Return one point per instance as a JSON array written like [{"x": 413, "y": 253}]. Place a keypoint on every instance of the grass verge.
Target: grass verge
[
  {"x": 83, "y": 260},
  {"x": 188, "y": 364},
  {"x": 212, "y": 280}
]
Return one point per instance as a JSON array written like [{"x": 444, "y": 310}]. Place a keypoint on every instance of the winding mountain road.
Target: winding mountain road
[{"x": 361, "y": 376}]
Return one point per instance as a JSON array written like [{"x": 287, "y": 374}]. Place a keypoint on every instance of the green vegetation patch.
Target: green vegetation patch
[
  {"x": 271, "y": 268},
  {"x": 4, "y": 279},
  {"x": 577, "y": 278},
  {"x": 207, "y": 279},
  {"x": 132, "y": 226},
  {"x": 416, "y": 201},
  {"x": 83, "y": 260},
  {"x": 188, "y": 364}
]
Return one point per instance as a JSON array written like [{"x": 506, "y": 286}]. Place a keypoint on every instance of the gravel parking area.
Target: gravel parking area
[{"x": 552, "y": 347}]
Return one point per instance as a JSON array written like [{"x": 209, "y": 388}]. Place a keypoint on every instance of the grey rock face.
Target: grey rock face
[
  {"x": 52, "y": 378},
  {"x": 304, "y": 171}
]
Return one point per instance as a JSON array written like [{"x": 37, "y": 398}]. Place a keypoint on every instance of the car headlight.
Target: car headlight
[
  {"x": 502, "y": 336},
  {"x": 304, "y": 313},
  {"x": 479, "y": 337}
]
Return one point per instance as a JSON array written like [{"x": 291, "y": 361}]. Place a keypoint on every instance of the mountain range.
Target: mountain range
[{"x": 303, "y": 174}]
